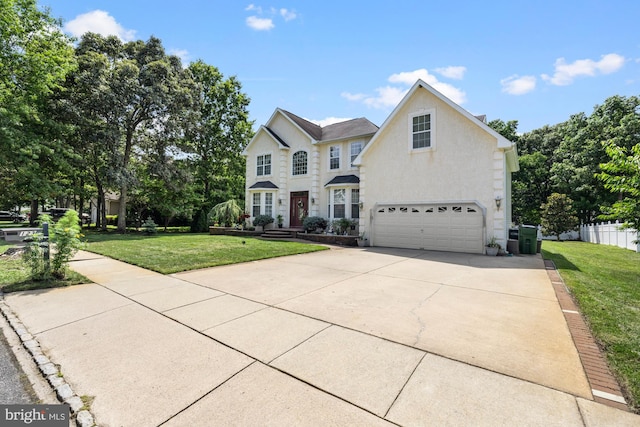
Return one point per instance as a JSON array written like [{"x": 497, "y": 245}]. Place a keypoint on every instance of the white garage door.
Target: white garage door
[{"x": 453, "y": 227}]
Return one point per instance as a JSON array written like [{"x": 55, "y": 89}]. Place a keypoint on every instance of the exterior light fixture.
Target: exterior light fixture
[
  {"x": 279, "y": 201},
  {"x": 313, "y": 201},
  {"x": 498, "y": 202}
]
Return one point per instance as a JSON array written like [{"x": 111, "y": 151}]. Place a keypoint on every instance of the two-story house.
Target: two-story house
[
  {"x": 296, "y": 168},
  {"x": 433, "y": 176}
]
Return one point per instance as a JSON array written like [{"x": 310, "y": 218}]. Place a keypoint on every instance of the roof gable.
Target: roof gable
[
  {"x": 311, "y": 129},
  {"x": 270, "y": 133},
  {"x": 502, "y": 141}
]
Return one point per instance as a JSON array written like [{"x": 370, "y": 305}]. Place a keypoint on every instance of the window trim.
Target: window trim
[
  {"x": 270, "y": 164},
  {"x": 424, "y": 112}
]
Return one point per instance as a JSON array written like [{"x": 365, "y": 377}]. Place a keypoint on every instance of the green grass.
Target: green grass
[
  {"x": 173, "y": 252},
  {"x": 14, "y": 275},
  {"x": 605, "y": 281}
]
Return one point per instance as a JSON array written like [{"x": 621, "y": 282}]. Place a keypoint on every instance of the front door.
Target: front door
[{"x": 298, "y": 208}]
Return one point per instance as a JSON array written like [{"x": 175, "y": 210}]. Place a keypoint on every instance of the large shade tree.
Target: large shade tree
[
  {"x": 215, "y": 138},
  {"x": 123, "y": 93},
  {"x": 34, "y": 58}
]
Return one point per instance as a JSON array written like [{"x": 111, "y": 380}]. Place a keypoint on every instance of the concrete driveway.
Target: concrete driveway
[{"x": 341, "y": 337}]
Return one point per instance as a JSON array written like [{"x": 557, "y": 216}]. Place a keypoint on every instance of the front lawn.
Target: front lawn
[
  {"x": 605, "y": 281},
  {"x": 14, "y": 274},
  {"x": 173, "y": 252}
]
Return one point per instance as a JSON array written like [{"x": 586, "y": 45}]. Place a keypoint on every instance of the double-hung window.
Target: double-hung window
[
  {"x": 256, "y": 205},
  {"x": 356, "y": 148},
  {"x": 268, "y": 204},
  {"x": 339, "y": 200},
  {"x": 355, "y": 203},
  {"x": 264, "y": 165},
  {"x": 334, "y": 157},
  {"x": 422, "y": 130}
]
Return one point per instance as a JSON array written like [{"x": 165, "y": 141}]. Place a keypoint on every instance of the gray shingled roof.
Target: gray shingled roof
[
  {"x": 347, "y": 129},
  {"x": 264, "y": 184},
  {"x": 311, "y": 128},
  {"x": 344, "y": 179}
]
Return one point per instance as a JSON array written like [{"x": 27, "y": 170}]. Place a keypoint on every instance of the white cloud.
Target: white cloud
[
  {"x": 390, "y": 96},
  {"x": 260, "y": 24},
  {"x": 253, "y": 7},
  {"x": 183, "y": 54},
  {"x": 288, "y": 15},
  {"x": 353, "y": 96},
  {"x": 452, "y": 72},
  {"x": 409, "y": 78},
  {"x": 329, "y": 121},
  {"x": 518, "y": 85},
  {"x": 98, "y": 21},
  {"x": 565, "y": 73}
]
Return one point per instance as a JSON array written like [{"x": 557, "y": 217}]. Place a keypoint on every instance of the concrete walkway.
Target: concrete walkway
[{"x": 341, "y": 337}]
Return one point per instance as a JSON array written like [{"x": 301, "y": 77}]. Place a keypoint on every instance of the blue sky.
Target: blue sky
[{"x": 537, "y": 62}]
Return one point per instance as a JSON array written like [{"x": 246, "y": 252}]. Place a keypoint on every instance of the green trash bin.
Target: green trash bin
[{"x": 527, "y": 239}]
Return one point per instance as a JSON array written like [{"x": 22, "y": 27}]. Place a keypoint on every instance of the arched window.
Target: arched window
[{"x": 300, "y": 163}]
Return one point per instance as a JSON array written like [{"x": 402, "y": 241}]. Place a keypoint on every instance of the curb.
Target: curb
[
  {"x": 48, "y": 369},
  {"x": 604, "y": 386}
]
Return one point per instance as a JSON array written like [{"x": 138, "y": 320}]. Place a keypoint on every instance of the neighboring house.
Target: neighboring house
[
  {"x": 432, "y": 177},
  {"x": 112, "y": 202}
]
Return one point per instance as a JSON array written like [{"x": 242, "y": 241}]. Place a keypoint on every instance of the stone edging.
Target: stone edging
[
  {"x": 604, "y": 386},
  {"x": 51, "y": 372}
]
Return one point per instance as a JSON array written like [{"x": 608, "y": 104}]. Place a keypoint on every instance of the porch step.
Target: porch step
[{"x": 278, "y": 234}]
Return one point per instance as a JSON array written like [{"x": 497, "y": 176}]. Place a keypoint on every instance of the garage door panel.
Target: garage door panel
[{"x": 445, "y": 227}]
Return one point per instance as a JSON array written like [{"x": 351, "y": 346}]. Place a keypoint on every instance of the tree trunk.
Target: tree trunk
[
  {"x": 122, "y": 210},
  {"x": 34, "y": 213}
]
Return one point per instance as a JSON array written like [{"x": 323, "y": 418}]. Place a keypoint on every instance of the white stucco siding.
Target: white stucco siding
[
  {"x": 288, "y": 131},
  {"x": 463, "y": 165},
  {"x": 263, "y": 144}
]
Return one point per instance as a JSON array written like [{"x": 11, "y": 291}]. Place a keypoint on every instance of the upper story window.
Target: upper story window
[
  {"x": 264, "y": 165},
  {"x": 356, "y": 148},
  {"x": 422, "y": 130},
  {"x": 334, "y": 157},
  {"x": 299, "y": 164}
]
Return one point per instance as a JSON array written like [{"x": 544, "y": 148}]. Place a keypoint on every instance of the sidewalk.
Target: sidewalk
[{"x": 157, "y": 350}]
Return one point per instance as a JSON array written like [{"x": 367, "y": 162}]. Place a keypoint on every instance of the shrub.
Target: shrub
[
  {"x": 262, "y": 220},
  {"x": 112, "y": 219},
  {"x": 226, "y": 213},
  {"x": 65, "y": 234},
  {"x": 149, "y": 227},
  {"x": 312, "y": 223},
  {"x": 342, "y": 225}
]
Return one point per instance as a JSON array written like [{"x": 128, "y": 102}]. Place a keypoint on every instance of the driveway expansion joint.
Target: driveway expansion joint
[{"x": 62, "y": 390}]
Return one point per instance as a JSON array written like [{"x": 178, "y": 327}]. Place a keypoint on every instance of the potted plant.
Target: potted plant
[
  {"x": 362, "y": 240},
  {"x": 493, "y": 247},
  {"x": 280, "y": 220}
]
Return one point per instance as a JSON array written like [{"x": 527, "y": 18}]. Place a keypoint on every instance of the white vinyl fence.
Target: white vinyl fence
[{"x": 610, "y": 234}]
